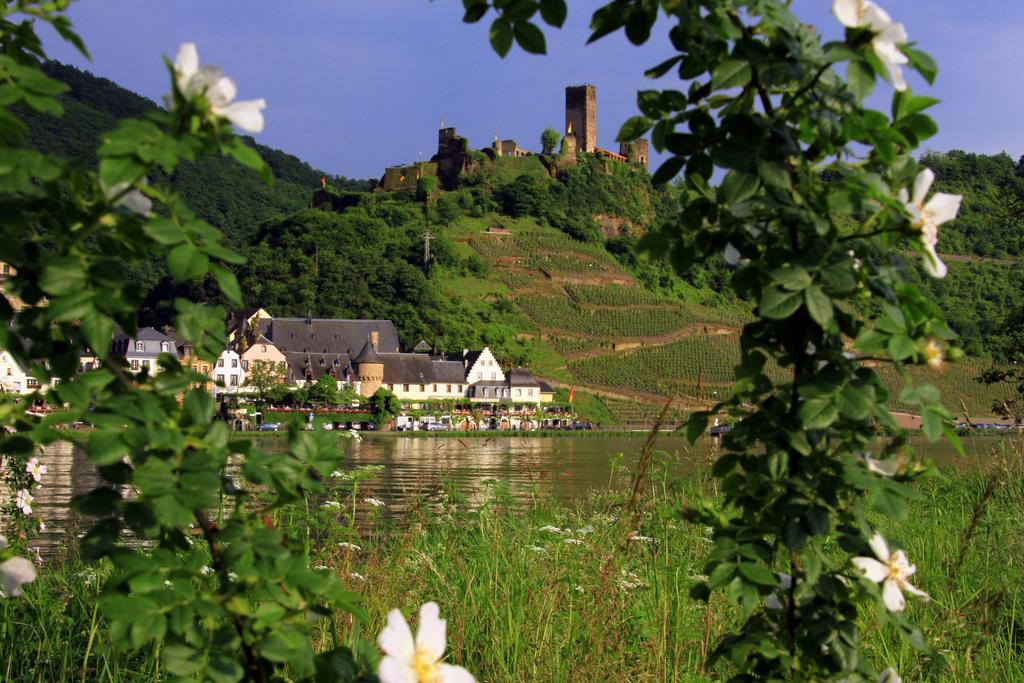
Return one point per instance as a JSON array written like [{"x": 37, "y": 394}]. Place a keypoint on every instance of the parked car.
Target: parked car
[
  {"x": 719, "y": 430},
  {"x": 269, "y": 427},
  {"x": 369, "y": 426},
  {"x": 582, "y": 426}
]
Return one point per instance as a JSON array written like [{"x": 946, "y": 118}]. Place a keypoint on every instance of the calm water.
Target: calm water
[{"x": 415, "y": 467}]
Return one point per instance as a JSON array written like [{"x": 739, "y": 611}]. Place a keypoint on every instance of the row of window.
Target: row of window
[{"x": 423, "y": 388}]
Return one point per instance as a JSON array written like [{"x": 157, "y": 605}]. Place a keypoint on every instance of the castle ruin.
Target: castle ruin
[{"x": 454, "y": 156}]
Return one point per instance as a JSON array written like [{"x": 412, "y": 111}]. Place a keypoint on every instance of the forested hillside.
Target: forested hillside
[{"x": 541, "y": 268}]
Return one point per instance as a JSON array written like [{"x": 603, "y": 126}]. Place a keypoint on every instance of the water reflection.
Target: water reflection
[{"x": 415, "y": 468}]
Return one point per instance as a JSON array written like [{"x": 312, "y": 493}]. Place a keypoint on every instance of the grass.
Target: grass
[{"x": 523, "y": 604}]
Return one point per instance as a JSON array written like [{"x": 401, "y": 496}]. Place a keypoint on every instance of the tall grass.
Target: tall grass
[{"x": 527, "y": 603}]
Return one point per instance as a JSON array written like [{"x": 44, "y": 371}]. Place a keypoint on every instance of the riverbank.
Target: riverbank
[{"x": 548, "y": 591}]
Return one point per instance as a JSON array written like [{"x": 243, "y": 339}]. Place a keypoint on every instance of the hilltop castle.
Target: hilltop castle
[{"x": 454, "y": 155}]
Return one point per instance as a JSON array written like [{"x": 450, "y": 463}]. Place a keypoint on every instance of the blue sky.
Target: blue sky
[{"x": 353, "y": 86}]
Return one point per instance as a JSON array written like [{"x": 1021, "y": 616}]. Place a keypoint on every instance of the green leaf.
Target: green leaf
[
  {"x": 501, "y": 36},
  {"x": 182, "y": 660},
  {"x": 819, "y": 305},
  {"x": 98, "y": 330},
  {"x": 778, "y": 304},
  {"x": 900, "y": 346},
  {"x": 553, "y": 12},
  {"x": 634, "y": 127},
  {"x": 933, "y": 422},
  {"x": 186, "y": 262},
  {"x": 65, "y": 275},
  {"x": 861, "y": 78},
  {"x": 818, "y": 413},
  {"x": 530, "y": 38},
  {"x": 794, "y": 278},
  {"x": 732, "y": 73},
  {"x": 738, "y": 186},
  {"x": 759, "y": 574},
  {"x": 227, "y": 282},
  {"x": 773, "y": 174},
  {"x": 922, "y": 63},
  {"x": 106, "y": 448},
  {"x": 854, "y": 402},
  {"x": 116, "y": 170},
  {"x": 164, "y": 231},
  {"x": 250, "y": 158},
  {"x": 668, "y": 170}
]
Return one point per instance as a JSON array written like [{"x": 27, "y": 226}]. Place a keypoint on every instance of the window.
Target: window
[
  {"x": 233, "y": 380},
  {"x": 220, "y": 362},
  {"x": 8, "y": 372},
  {"x": 220, "y": 378},
  {"x": 391, "y": 387},
  {"x": 234, "y": 362},
  {"x": 263, "y": 347},
  {"x": 206, "y": 369},
  {"x": 7, "y": 269},
  {"x": 449, "y": 388},
  {"x": 140, "y": 346},
  {"x": 405, "y": 387},
  {"x": 423, "y": 388},
  {"x": 145, "y": 363},
  {"x": 494, "y": 376},
  {"x": 195, "y": 368},
  {"x": 460, "y": 388},
  {"x": 245, "y": 365},
  {"x": 519, "y": 392},
  {"x": 31, "y": 382},
  {"x": 165, "y": 347},
  {"x": 135, "y": 365},
  {"x": 435, "y": 388}
]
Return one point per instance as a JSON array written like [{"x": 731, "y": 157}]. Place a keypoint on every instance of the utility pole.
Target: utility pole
[{"x": 427, "y": 236}]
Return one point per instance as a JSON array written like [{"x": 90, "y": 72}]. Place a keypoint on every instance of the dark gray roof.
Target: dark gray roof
[
  {"x": 144, "y": 334},
  {"x": 449, "y": 371},
  {"x": 305, "y": 365},
  {"x": 422, "y": 347},
  {"x": 488, "y": 383},
  {"x": 319, "y": 335},
  {"x": 521, "y": 377},
  {"x": 367, "y": 354},
  {"x": 407, "y": 368},
  {"x": 545, "y": 387}
]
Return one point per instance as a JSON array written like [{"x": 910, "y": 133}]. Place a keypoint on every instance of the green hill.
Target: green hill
[{"x": 534, "y": 258}]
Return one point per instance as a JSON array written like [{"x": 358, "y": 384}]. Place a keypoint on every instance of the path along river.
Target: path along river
[{"x": 413, "y": 467}]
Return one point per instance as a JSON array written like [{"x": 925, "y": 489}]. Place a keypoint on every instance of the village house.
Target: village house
[
  {"x": 13, "y": 378},
  {"x": 227, "y": 373},
  {"x": 140, "y": 353}
]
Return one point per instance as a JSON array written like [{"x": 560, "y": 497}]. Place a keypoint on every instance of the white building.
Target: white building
[
  {"x": 227, "y": 373},
  {"x": 13, "y": 378}
]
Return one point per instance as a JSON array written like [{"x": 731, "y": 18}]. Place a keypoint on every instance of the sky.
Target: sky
[{"x": 353, "y": 86}]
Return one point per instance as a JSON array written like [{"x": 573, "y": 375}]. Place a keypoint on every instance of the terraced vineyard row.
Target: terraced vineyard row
[
  {"x": 525, "y": 243},
  {"x": 613, "y": 324},
  {"x": 612, "y": 295},
  {"x": 570, "y": 346},
  {"x": 674, "y": 368}
]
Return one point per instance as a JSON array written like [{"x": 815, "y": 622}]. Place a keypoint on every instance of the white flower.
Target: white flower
[
  {"x": 375, "y": 502},
  {"x": 133, "y": 200},
  {"x": 886, "y": 468},
  {"x": 219, "y": 90},
  {"x": 927, "y": 217},
  {"x": 206, "y": 570},
  {"x": 893, "y": 571},
  {"x": 24, "y": 501},
  {"x": 408, "y": 660},
  {"x": 42, "y": 525},
  {"x": 588, "y": 529},
  {"x": 331, "y": 504},
  {"x": 232, "y": 576},
  {"x": 353, "y": 434},
  {"x": 643, "y": 539},
  {"x": 36, "y": 469},
  {"x": 889, "y": 676},
  {"x": 357, "y": 576},
  {"x": 731, "y": 254},
  {"x": 349, "y": 546},
  {"x": 15, "y": 572},
  {"x": 888, "y": 34},
  {"x": 536, "y": 549},
  {"x": 551, "y": 529},
  {"x": 573, "y": 541},
  {"x": 933, "y": 354}
]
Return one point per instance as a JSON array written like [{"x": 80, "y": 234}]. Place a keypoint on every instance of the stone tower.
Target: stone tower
[
  {"x": 370, "y": 369},
  {"x": 581, "y": 115},
  {"x": 569, "y": 142},
  {"x": 636, "y": 151}
]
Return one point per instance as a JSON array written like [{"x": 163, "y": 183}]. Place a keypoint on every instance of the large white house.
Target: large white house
[
  {"x": 227, "y": 373},
  {"x": 13, "y": 378}
]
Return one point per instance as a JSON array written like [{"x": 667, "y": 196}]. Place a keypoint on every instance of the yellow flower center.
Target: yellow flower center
[
  {"x": 427, "y": 668},
  {"x": 933, "y": 353}
]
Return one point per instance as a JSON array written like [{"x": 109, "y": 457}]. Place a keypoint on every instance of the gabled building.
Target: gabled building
[
  {"x": 140, "y": 353},
  {"x": 227, "y": 373},
  {"x": 13, "y": 378}
]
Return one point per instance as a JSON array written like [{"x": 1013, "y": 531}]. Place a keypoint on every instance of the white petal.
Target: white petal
[
  {"x": 430, "y": 637},
  {"x": 221, "y": 92},
  {"x": 895, "y": 33},
  {"x": 879, "y": 547},
  {"x": 731, "y": 254},
  {"x": 15, "y": 572},
  {"x": 872, "y": 569},
  {"x": 773, "y": 602},
  {"x": 848, "y": 12},
  {"x": 913, "y": 590},
  {"x": 886, "y": 468},
  {"x": 138, "y": 203},
  {"x": 455, "y": 674},
  {"x": 876, "y": 18},
  {"x": 246, "y": 114},
  {"x": 892, "y": 596},
  {"x": 943, "y": 207},
  {"x": 396, "y": 638},
  {"x": 889, "y": 676},
  {"x": 186, "y": 62},
  {"x": 933, "y": 265},
  {"x": 393, "y": 671},
  {"x": 923, "y": 183},
  {"x": 785, "y": 581}
]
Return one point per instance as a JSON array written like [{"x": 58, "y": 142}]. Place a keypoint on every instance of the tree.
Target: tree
[
  {"x": 324, "y": 391},
  {"x": 1011, "y": 405},
  {"x": 385, "y": 406},
  {"x": 549, "y": 139},
  {"x": 264, "y": 378}
]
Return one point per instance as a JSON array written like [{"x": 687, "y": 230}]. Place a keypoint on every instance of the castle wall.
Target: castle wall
[
  {"x": 636, "y": 151},
  {"x": 581, "y": 115}
]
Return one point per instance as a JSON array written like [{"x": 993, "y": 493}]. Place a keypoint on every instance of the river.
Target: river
[{"x": 566, "y": 468}]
